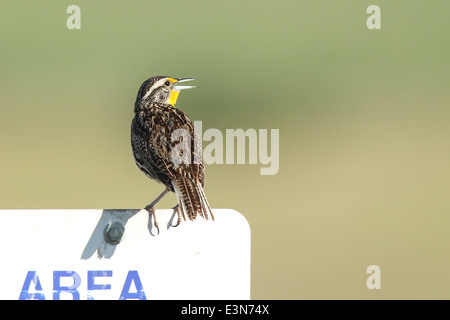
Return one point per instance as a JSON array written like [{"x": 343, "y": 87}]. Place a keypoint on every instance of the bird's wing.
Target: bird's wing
[{"x": 177, "y": 148}]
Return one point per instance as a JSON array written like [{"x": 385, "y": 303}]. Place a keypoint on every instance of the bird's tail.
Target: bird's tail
[{"x": 192, "y": 200}]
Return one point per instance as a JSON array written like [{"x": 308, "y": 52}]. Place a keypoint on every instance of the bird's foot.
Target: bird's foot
[
  {"x": 176, "y": 210},
  {"x": 151, "y": 210}
]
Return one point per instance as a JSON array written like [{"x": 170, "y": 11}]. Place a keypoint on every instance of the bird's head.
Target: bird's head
[{"x": 161, "y": 89}]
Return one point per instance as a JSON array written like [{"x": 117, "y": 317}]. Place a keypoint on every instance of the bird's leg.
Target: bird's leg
[
  {"x": 151, "y": 207},
  {"x": 153, "y": 204}
]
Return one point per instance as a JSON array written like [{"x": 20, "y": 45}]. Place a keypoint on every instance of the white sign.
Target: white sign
[{"x": 71, "y": 254}]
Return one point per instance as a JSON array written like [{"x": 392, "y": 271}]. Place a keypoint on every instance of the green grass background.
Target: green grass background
[{"x": 363, "y": 116}]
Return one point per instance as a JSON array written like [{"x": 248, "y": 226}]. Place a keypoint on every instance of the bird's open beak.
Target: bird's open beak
[{"x": 177, "y": 87}]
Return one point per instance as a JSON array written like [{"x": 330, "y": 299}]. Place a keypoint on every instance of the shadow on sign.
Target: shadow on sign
[{"x": 97, "y": 240}]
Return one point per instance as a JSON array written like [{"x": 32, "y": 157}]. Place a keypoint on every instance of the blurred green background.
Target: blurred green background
[{"x": 363, "y": 116}]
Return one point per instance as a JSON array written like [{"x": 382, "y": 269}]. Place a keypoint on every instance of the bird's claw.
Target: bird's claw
[
  {"x": 151, "y": 210},
  {"x": 176, "y": 210}
]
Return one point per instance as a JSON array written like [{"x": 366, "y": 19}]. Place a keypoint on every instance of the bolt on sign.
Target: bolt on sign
[{"x": 119, "y": 254}]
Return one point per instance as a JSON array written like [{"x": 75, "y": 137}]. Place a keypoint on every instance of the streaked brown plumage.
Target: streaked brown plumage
[{"x": 161, "y": 136}]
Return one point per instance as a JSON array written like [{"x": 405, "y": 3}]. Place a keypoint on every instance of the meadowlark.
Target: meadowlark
[{"x": 167, "y": 149}]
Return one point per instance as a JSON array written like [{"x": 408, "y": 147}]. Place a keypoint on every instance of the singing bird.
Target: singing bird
[{"x": 167, "y": 149}]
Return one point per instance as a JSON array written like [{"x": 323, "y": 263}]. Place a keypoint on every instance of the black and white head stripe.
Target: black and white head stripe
[{"x": 150, "y": 85}]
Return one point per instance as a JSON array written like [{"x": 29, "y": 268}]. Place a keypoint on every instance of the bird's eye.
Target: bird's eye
[{"x": 167, "y": 83}]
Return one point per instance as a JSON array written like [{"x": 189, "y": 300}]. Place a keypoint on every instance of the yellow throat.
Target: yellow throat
[{"x": 173, "y": 96}]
